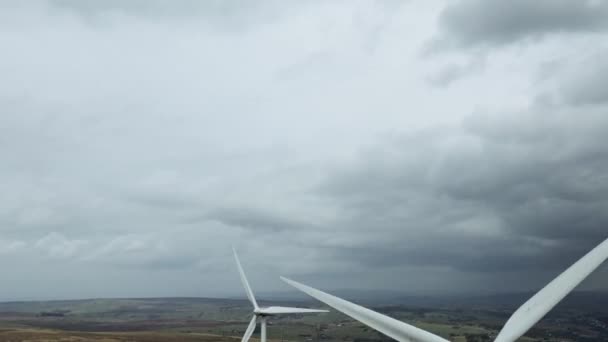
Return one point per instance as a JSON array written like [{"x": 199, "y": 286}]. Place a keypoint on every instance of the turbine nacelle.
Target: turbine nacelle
[{"x": 260, "y": 314}]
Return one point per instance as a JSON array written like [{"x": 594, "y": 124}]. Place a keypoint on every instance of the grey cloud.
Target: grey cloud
[
  {"x": 454, "y": 72},
  {"x": 575, "y": 81},
  {"x": 57, "y": 246},
  {"x": 143, "y": 7},
  {"x": 227, "y": 15},
  {"x": 468, "y": 23},
  {"x": 143, "y": 252},
  {"x": 492, "y": 255},
  {"x": 528, "y": 191},
  {"x": 448, "y": 75},
  {"x": 588, "y": 86},
  {"x": 255, "y": 219}
]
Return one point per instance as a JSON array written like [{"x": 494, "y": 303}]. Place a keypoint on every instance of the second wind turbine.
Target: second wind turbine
[{"x": 261, "y": 314}]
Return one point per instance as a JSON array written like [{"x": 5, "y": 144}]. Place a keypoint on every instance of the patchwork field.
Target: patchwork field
[{"x": 197, "y": 319}]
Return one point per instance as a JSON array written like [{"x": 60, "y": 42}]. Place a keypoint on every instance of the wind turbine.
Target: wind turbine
[
  {"x": 518, "y": 324},
  {"x": 261, "y": 314}
]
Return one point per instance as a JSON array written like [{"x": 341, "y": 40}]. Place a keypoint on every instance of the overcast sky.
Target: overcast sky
[{"x": 421, "y": 146}]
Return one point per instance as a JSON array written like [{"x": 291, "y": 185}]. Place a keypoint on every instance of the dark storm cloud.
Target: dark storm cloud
[
  {"x": 493, "y": 22},
  {"x": 526, "y": 191},
  {"x": 465, "y": 253}
]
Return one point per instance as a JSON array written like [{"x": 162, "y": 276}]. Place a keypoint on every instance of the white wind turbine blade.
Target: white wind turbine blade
[
  {"x": 250, "y": 329},
  {"x": 388, "y": 326},
  {"x": 279, "y": 310},
  {"x": 244, "y": 281},
  {"x": 542, "y": 302}
]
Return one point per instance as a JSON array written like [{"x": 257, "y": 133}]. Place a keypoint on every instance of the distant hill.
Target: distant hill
[
  {"x": 578, "y": 300},
  {"x": 584, "y": 301}
]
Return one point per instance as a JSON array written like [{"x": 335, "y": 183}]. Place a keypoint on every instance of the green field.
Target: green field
[{"x": 196, "y": 319}]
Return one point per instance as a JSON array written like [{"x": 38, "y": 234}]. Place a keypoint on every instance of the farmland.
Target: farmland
[{"x": 200, "y": 319}]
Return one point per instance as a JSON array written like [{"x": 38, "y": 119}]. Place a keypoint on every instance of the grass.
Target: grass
[{"x": 42, "y": 335}]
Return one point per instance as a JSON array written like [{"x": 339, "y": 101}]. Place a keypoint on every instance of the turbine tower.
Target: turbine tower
[
  {"x": 520, "y": 322},
  {"x": 261, "y": 314}
]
